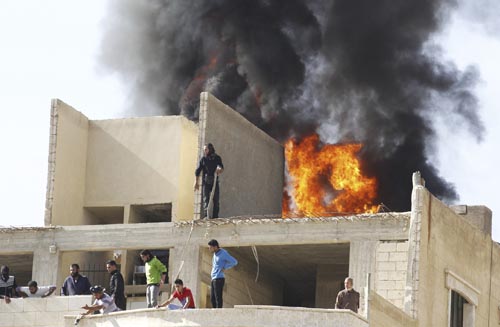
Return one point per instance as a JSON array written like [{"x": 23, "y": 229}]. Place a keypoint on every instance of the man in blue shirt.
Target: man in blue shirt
[{"x": 221, "y": 262}]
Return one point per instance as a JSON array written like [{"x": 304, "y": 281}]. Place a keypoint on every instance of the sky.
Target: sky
[{"x": 49, "y": 50}]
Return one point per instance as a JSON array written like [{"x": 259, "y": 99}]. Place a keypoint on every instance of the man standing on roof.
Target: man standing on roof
[
  {"x": 348, "y": 298},
  {"x": 155, "y": 276},
  {"x": 221, "y": 262},
  {"x": 211, "y": 165},
  {"x": 75, "y": 284},
  {"x": 116, "y": 285}
]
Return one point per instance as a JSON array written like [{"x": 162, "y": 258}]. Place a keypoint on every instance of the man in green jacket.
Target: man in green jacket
[{"x": 155, "y": 275}]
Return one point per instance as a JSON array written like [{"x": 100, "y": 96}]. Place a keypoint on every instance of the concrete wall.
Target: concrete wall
[
  {"x": 67, "y": 166},
  {"x": 390, "y": 279},
  {"x": 142, "y": 161},
  {"x": 495, "y": 286},
  {"x": 240, "y": 316},
  {"x": 383, "y": 313},
  {"x": 449, "y": 244},
  {"x": 252, "y": 182},
  {"x": 329, "y": 282},
  {"x": 241, "y": 287},
  {"x": 46, "y": 312},
  {"x": 107, "y": 165}
]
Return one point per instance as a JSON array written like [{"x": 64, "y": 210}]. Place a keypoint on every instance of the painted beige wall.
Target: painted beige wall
[
  {"x": 116, "y": 163},
  {"x": 450, "y": 242},
  {"x": 495, "y": 286},
  {"x": 252, "y": 182},
  {"x": 67, "y": 166},
  {"x": 142, "y": 161},
  {"x": 383, "y": 313}
]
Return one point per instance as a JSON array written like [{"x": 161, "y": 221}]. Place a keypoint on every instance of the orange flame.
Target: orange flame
[{"x": 326, "y": 180}]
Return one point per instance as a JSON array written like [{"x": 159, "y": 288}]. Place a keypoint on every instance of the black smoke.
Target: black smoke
[{"x": 354, "y": 71}]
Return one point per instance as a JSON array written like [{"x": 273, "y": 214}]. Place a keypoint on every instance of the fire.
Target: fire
[{"x": 326, "y": 179}]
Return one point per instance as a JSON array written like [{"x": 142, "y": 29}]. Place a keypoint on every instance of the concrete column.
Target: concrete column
[
  {"x": 362, "y": 260},
  {"x": 184, "y": 263},
  {"x": 46, "y": 265},
  {"x": 414, "y": 244}
]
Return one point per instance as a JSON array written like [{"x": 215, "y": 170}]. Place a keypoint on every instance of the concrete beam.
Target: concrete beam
[{"x": 230, "y": 232}]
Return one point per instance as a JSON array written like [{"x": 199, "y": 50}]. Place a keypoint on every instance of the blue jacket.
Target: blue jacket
[{"x": 222, "y": 260}]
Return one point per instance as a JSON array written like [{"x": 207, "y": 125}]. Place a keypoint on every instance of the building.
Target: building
[{"x": 116, "y": 187}]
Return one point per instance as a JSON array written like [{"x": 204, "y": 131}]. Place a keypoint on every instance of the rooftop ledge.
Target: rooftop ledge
[{"x": 239, "y": 316}]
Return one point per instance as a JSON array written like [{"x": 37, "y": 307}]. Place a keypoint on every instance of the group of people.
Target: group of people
[
  {"x": 9, "y": 288},
  {"x": 114, "y": 299}
]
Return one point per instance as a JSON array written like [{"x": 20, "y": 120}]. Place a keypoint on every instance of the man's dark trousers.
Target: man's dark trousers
[
  {"x": 216, "y": 292},
  {"x": 207, "y": 189}
]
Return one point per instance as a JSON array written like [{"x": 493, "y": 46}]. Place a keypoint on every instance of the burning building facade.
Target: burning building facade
[
  {"x": 429, "y": 266},
  {"x": 362, "y": 74}
]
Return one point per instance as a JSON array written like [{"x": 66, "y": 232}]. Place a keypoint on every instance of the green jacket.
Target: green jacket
[{"x": 154, "y": 270}]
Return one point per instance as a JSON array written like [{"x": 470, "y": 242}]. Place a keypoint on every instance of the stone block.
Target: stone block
[
  {"x": 385, "y": 285},
  {"x": 387, "y": 247},
  {"x": 57, "y": 303},
  {"x": 383, "y": 275},
  {"x": 396, "y": 275},
  {"x": 386, "y": 266},
  {"x": 382, "y": 256},
  {"x": 402, "y": 247},
  {"x": 24, "y": 319},
  {"x": 15, "y": 305},
  {"x": 77, "y": 302},
  {"x": 6, "y": 319},
  {"x": 46, "y": 318},
  {"x": 402, "y": 266},
  {"x": 398, "y": 256},
  {"x": 34, "y": 304}
]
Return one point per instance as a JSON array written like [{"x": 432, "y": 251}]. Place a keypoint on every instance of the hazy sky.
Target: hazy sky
[{"x": 49, "y": 49}]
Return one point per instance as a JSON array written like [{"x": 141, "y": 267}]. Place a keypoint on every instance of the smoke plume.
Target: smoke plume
[{"x": 353, "y": 71}]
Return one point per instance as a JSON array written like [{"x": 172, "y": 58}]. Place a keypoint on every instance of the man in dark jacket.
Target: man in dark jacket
[
  {"x": 211, "y": 165},
  {"x": 348, "y": 298},
  {"x": 116, "y": 285},
  {"x": 75, "y": 284}
]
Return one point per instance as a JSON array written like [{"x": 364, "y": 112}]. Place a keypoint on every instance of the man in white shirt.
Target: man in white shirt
[
  {"x": 33, "y": 290},
  {"x": 103, "y": 302}
]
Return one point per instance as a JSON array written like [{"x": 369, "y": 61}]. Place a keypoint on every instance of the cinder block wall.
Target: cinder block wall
[
  {"x": 391, "y": 267},
  {"x": 46, "y": 312}
]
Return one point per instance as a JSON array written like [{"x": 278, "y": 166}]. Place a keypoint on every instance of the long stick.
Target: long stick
[{"x": 210, "y": 206}]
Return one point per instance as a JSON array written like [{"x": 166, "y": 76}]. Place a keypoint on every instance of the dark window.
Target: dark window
[{"x": 457, "y": 310}]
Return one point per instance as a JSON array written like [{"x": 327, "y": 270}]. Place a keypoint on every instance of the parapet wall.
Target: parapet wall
[
  {"x": 240, "y": 316},
  {"x": 46, "y": 312}
]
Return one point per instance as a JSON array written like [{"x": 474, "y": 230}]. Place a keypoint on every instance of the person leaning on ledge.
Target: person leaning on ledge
[
  {"x": 348, "y": 298},
  {"x": 33, "y": 290}
]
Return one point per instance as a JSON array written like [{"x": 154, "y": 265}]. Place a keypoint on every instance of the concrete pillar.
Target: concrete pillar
[
  {"x": 46, "y": 265},
  {"x": 414, "y": 244},
  {"x": 184, "y": 263},
  {"x": 362, "y": 260}
]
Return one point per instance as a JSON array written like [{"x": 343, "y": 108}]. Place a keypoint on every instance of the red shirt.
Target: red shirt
[{"x": 186, "y": 293}]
